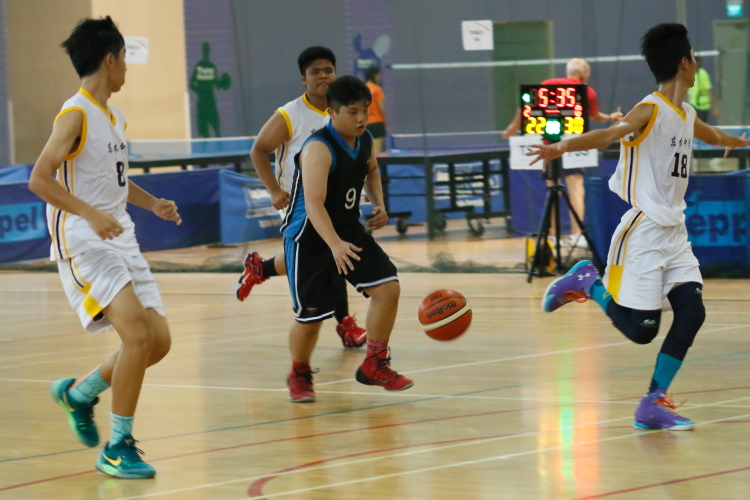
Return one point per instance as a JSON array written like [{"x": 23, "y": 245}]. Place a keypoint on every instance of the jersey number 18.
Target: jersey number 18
[{"x": 680, "y": 166}]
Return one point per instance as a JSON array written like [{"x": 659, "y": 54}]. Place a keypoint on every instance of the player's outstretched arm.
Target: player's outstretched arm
[
  {"x": 717, "y": 137},
  {"x": 65, "y": 138},
  {"x": 273, "y": 134},
  {"x": 635, "y": 121},
  {"x": 166, "y": 209},
  {"x": 315, "y": 161},
  {"x": 374, "y": 191}
]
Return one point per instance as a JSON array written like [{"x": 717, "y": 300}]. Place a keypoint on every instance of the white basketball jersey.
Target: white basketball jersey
[
  {"x": 97, "y": 173},
  {"x": 654, "y": 168},
  {"x": 302, "y": 119}
]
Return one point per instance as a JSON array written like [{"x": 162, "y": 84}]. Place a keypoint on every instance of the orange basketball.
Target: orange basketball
[{"x": 445, "y": 314}]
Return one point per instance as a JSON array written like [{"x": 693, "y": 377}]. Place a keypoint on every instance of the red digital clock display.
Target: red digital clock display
[{"x": 554, "y": 109}]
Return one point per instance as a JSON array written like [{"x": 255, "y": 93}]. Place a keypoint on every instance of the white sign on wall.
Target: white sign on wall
[
  {"x": 136, "y": 50},
  {"x": 477, "y": 35}
]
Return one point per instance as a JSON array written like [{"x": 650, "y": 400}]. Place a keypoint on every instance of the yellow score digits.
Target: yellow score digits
[
  {"x": 536, "y": 125},
  {"x": 573, "y": 125}
]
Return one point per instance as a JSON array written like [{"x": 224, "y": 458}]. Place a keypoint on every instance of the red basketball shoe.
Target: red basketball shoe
[
  {"x": 352, "y": 335},
  {"x": 252, "y": 276},
  {"x": 376, "y": 370},
  {"x": 300, "y": 385}
]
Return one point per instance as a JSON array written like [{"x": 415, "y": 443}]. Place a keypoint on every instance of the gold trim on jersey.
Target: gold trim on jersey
[
  {"x": 618, "y": 253},
  {"x": 66, "y": 178},
  {"x": 646, "y": 130},
  {"x": 107, "y": 111},
  {"x": 304, "y": 99},
  {"x": 633, "y": 192},
  {"x": 682, "y": 113},
  {"x": 84, "y": 129},
  {"x": 90, "y": 304},
  {"x": 288, "y": 121}
]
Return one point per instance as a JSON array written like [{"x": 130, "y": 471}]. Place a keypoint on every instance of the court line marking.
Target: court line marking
[
  {"x": 261, "y": 496},
  {"x": 178, "y": 339},
  {"x": 241, "y": 332},
  {"x": 524, "y": 356},
  {"x": 286, "y": 293},
  {"x": 174, "y": 346},
  {"x": 627, "y": 401},
  {"x": 415, "y": 452},
  {"x": 664, "y": 483}
]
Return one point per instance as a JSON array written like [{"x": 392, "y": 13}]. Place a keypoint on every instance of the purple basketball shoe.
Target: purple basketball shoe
[
  {"x": 656, "y": 411},
  {"x": 575, "y": 285}
]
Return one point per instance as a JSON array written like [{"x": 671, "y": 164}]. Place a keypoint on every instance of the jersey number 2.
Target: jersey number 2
[
  {"x": 680, "y": 166},
  {"x": 121, "y": 174}
]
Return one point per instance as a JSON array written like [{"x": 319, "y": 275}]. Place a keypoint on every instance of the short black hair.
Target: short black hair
[
  {"x": 664, "y": 46},
  {"x": 312, "y": 54},
  {"x": 347, "y": 90},
  {"x": 90, "y": 42},
  {"x": 371, "y": 73}
]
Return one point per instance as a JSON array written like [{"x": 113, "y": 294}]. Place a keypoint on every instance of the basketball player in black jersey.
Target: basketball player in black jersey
[{"x": 325, "y": 244}]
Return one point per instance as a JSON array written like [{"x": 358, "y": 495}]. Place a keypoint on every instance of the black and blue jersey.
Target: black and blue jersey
[{"x": 346, "y": 178}]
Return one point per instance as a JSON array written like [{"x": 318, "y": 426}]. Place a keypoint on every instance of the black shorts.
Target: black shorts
[
  {"x": 377, "y": 129},
  {"x": 315, "y": 283}
]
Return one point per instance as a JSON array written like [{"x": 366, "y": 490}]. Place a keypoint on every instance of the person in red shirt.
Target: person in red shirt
[
  {"x": 376, "y": 123},
  {"x": 578, "y": 71}
]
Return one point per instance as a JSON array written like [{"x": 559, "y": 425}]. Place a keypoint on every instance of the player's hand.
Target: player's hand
[
  {"x": 280, "y": 199},
  {"x": 744, "y": 141},
  {"x": 103, "y": 224},
  {"x": 167, "y": 210},
  {"x": 379, "y": 218},
  {"x": 343, "y": 253},
  {"x": 546, "y": 152}
]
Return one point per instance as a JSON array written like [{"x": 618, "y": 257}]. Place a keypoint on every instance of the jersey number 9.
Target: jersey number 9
[{"x": 351, "y": 198}]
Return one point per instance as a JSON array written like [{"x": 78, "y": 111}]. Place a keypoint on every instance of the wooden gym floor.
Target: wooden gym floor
[{"x": 524, "y": 406}]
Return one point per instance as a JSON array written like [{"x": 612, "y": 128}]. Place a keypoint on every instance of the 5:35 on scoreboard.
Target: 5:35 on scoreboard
[{"x": 554, "y": 110}]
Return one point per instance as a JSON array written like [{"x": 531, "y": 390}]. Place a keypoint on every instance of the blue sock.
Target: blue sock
[
  {"x": 87, "y": 389},
  {"x": 666, "y": 369},
  {"x": 121, "y": 427},
  {"x": 599, "y": 294}
]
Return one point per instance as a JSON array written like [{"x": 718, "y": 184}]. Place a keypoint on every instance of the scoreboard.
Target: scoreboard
[{"x": 554, "y": 110}]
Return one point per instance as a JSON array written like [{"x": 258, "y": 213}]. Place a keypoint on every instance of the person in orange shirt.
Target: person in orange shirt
[{"x": 376, "y": 123}]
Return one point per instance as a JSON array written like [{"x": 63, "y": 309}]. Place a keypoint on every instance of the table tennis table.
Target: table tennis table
[{"x": 190, "y": 152}]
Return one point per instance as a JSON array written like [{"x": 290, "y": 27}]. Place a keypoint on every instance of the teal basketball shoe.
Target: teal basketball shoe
[{"x": 80, "y": 415}]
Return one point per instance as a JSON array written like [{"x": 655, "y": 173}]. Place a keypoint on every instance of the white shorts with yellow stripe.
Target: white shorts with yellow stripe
[
  {"x": 93, "y": 278},
  {"x": 646, "y": 260}
]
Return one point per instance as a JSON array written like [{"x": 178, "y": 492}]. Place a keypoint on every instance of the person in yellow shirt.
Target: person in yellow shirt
[
  {"x": 700, "y": 95},
  {"x": 376, "y": 123}
]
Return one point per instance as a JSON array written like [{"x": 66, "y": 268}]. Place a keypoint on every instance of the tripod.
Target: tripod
[{"x": 552, "y": 205}]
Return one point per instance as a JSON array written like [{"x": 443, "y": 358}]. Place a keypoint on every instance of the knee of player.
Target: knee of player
[
  {"x": 687, "y": 304},
  {"x": 645, "y": 335},
  {"x": 161, "y": 346},
  {"x": 140, "y": 335},
  {"x": 306, "y": 328},
  {"x": 389, "y": 291},
  {"x": 646, "y": 330}
]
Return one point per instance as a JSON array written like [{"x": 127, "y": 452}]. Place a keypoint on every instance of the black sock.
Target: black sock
[
  {"x": 269, "y": 268},
  {"x": 341, "y": 312}
]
